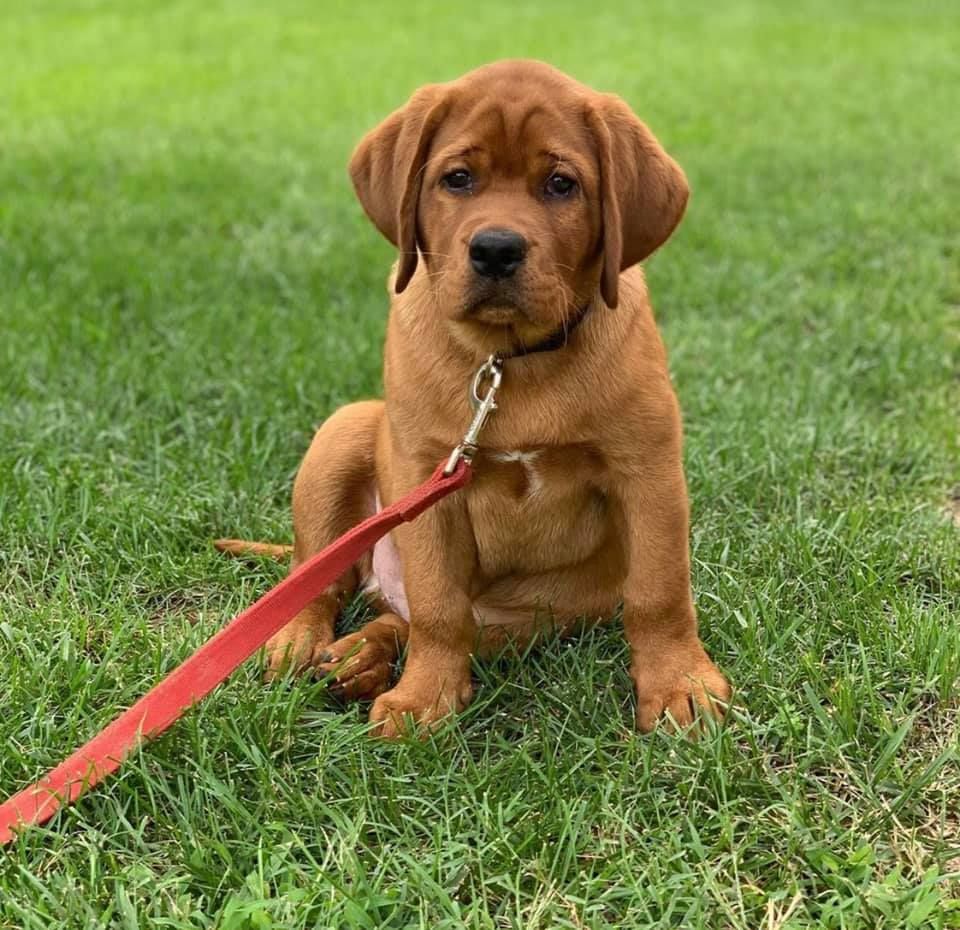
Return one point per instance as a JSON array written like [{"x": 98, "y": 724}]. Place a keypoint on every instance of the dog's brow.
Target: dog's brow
[
  {"x": 463, "y": 152},
  {"x": 559, "y": 159}
]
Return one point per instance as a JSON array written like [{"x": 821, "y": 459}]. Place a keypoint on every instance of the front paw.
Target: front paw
[
  {"x": 419, "y": 702},
  {"x": 676, "y": 679}
]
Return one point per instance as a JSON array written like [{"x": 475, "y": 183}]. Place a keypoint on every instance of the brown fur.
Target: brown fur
[{"x": 600, "y": 515}]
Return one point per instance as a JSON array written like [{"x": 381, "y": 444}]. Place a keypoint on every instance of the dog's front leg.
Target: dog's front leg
[
  {"x": 439, "y": 559},
  {"x": 671, "y": 671}
]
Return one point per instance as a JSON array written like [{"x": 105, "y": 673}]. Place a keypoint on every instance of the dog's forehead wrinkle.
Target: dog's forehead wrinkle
[{"x": 507, "y": 123}]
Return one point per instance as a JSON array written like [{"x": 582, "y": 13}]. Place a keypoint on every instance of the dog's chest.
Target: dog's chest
[{"x": 537, "y": 509}]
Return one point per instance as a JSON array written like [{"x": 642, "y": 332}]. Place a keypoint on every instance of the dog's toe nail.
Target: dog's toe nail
[{"x": 325, "y": 657}]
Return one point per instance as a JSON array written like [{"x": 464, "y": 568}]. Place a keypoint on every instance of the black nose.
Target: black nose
[{"x": 497, "y": 253}]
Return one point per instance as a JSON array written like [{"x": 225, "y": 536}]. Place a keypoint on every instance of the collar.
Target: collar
[{"x": 556, "y": 340}]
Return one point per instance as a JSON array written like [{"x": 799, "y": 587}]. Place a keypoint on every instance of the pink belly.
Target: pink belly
[{"x": 388, "y": 574}]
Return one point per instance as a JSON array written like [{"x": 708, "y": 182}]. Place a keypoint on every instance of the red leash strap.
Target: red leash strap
[{"x": 213, "y": 662}]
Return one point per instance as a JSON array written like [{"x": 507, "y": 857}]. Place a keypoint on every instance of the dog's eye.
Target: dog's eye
[
  {"x": 559, "y": 185},
  {"x": 459, "y": 181}
]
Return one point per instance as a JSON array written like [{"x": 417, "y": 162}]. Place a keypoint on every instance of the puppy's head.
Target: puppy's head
[{"x": 523, "y": 192}]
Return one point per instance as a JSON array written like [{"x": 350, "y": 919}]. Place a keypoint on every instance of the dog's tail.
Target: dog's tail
[{"x": 244, "y": 547}]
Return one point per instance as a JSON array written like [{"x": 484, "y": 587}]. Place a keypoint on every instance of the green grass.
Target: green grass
[{"x": 187, "y": 286}]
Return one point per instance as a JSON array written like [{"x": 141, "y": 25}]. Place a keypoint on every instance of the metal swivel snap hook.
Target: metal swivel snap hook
[{"x": 489, "y": 373}]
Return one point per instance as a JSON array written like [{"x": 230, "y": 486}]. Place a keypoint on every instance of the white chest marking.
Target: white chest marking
[{"x": 526, "y": 459}]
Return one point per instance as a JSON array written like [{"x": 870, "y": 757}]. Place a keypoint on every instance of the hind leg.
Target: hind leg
[
  {"x": 362, "y": 662},
  {"x": 333, "y": 491}
]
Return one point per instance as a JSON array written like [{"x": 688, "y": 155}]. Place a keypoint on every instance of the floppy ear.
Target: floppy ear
[
  {"x": 643, "y": 190},
  {"x": 386, "y": 169}
]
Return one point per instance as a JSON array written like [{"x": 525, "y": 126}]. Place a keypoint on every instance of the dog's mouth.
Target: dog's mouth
[
  {"x": 500, "y": 326},
  {"x": 496, "y": 314},
  {"x": 498, "y": 317},
  {"x": 492, "y": 307}
]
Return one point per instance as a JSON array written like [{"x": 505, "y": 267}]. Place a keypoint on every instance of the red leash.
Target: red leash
[{"x": 213, "y": 662}]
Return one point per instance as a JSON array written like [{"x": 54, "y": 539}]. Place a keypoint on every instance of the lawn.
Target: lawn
[{"x": 187, "y": 287}]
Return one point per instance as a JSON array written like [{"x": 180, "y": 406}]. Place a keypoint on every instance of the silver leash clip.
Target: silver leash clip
[{"x": 491, "y": 370}]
